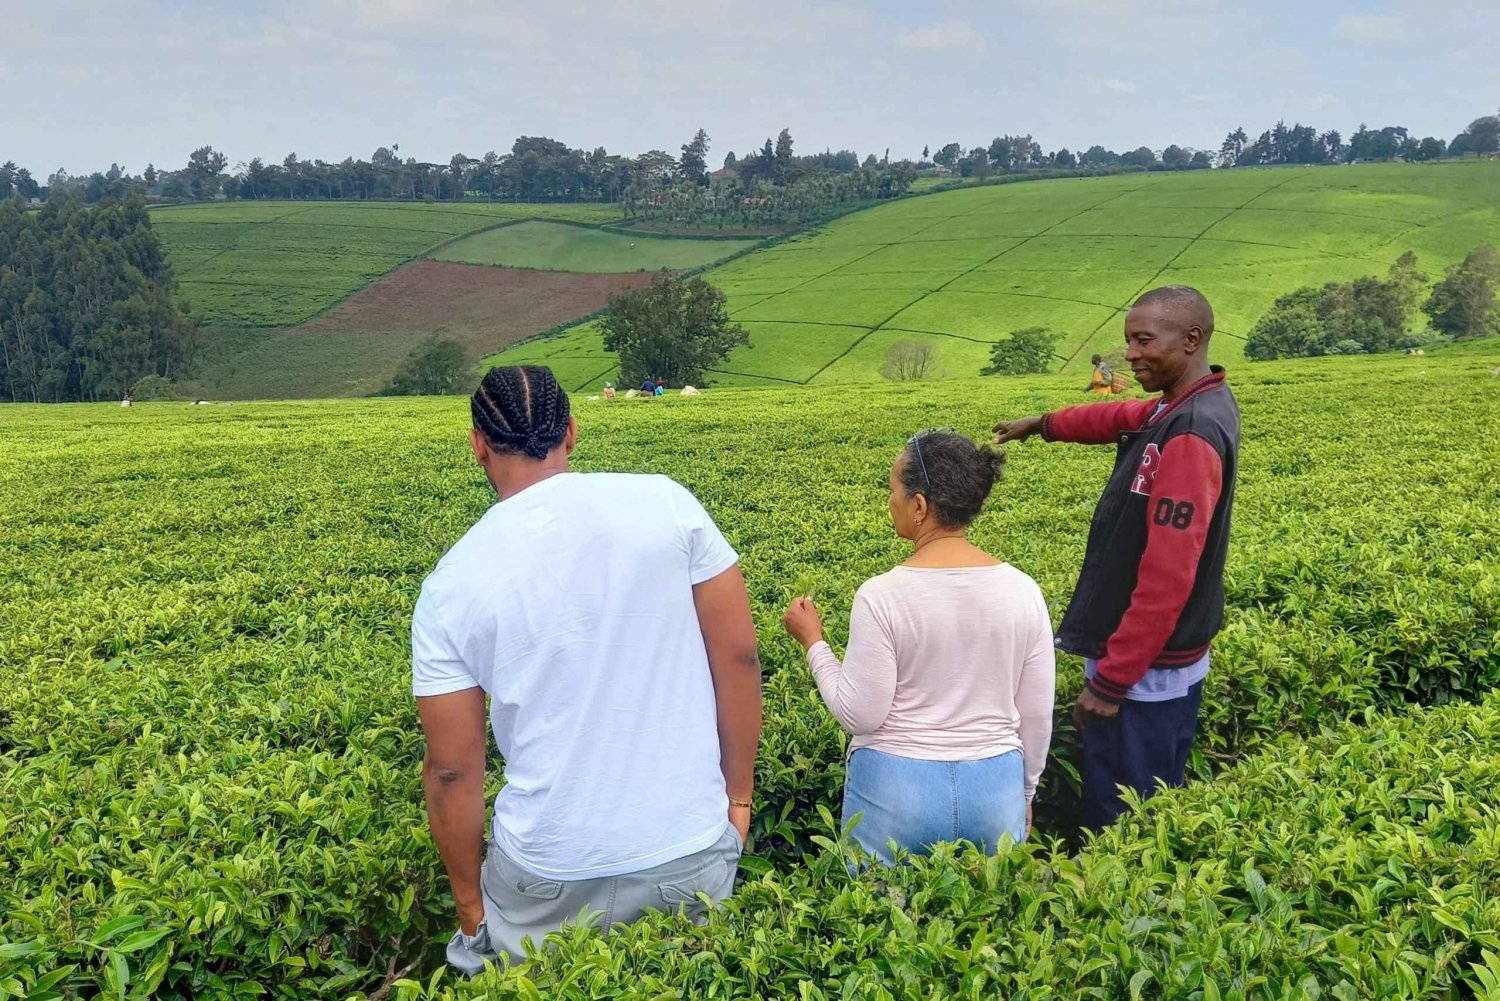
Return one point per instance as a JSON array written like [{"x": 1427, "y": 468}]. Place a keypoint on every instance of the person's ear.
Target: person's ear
[
  {"x": 919, "y": 508},
  {"x": 479, "y": 446},
  {"x": 570, "y": 437},
  {"x": 1192, "y": 338}
]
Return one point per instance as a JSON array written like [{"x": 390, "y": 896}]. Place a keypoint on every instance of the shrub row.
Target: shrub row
[
  {"x": 208, "y": 753},
  {"x": 1364, "y": 863}
]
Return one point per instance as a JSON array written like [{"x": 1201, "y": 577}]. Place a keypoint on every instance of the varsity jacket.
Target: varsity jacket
[{"x": 1151, "y": 591}]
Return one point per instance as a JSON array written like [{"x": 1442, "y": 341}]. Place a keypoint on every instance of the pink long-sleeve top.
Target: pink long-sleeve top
[{"x": 945, "y": 664}]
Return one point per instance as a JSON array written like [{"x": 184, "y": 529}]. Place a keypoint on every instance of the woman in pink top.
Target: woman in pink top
[{"x": 947, "y": 683}]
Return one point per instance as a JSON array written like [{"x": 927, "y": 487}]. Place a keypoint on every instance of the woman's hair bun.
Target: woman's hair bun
[{"x": 996, "y": 457}]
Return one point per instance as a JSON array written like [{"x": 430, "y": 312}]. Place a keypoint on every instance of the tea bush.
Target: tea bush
[
  {"x": 1361, "y": 864},
  {"x": 209, "y": 759}
]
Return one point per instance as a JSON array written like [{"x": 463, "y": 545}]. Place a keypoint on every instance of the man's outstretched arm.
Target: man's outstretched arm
[
  {"x": 729, "y": 638},
  {"x": 453, "y": 778},
  {"x": 1086, "y": 424}
]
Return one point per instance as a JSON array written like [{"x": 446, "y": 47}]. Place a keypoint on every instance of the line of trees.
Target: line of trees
[
  {"x": 1371, "y": 314},
  {"x": 772, "y": 186},
  {"x": 88, "y": 304},
  {"x": 1280, "y": 144},
  {"x": 1302, "y": 144}
]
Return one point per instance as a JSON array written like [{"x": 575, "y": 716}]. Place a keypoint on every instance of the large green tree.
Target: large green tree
[
  {"x": 1463, "y": 303},
  {"x": 675, "y": 329},
  {"x": 437, "y": 367},
  {"x": 88, "y": 304},
  {"x": 1024, "y": 352},
  {"x": 1366, "y": 315},
  {"x": 693, "y": 164}
]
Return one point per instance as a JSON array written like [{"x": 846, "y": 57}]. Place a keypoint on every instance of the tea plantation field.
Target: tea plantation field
[
  {"x": 554, "y": 246},
  {"x": 963, "y": 269},
  {"x": 210, "y": 762},
  {"x": 269, "y": 264}
]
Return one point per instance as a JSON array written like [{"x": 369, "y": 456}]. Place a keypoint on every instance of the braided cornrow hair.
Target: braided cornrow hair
[{"x": 521, "y": 408}]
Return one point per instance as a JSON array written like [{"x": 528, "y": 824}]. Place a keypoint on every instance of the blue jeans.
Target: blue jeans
[
  {"x": 1146, "y": 741},
  {"x": 918, "y": 803}
]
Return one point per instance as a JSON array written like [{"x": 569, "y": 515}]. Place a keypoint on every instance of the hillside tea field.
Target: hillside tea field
[
  {"x": 963, "y": 269},
  {"x": 266, "y": 264},
  {"x": 210, "y": 762},
  {"x": 555, "y": 246}
]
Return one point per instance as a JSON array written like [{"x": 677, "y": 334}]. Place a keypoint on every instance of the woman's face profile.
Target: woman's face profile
[{"x": 903, "y": 508}]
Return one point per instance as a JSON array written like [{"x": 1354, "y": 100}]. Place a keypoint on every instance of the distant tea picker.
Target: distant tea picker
[{"x": 1105, "y": 381}]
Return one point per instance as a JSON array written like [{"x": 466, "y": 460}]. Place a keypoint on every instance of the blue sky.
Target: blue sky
[{"x": 132, "y": 82}]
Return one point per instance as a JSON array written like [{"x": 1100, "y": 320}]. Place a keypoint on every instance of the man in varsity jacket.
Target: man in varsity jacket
[{"x": 1150, "y": 596}]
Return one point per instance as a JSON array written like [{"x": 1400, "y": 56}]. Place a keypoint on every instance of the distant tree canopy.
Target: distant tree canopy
[
  {"x": 1463, "y": 304},
  {"x": 1366, "y": 315},
  {"x": 88, "y": 304},
  {"x": 436, "y": 367},
  {"x": 1024, "y": 352},
  {"x": 675, "y": 329}
]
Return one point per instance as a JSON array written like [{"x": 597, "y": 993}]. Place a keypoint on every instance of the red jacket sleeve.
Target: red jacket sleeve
[
  {"x": 1096, "y": 423},
  {"x": 1178, "y": 512}
]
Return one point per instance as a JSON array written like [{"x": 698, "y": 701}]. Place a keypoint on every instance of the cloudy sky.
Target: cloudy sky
[{"x": 87, "y": 83}]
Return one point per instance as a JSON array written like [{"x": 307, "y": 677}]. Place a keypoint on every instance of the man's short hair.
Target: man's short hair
[{"x": 1185, "y": 303}]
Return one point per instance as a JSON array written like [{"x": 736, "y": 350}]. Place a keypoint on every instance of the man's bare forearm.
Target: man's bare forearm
[
  {"x": 738, "y": 695},
  {"x": 455, "y": 812}
]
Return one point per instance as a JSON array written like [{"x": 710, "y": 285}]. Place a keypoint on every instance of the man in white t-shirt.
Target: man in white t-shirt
[{"x": 604, "y": 618}]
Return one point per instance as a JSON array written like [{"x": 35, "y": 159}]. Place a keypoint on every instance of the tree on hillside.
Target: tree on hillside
[
  {"x": 1065, "y": 159},
  {"x": 1463, "y": 303},
  {"x": 1333, "y": 142},
  {"x": 88, "y": 303},
  {"x": 1024, "y": 352},
  {"x": 729, "y": 160},
  {"x": 786, "y": 168},
  {"x": 693, "y": 164},
  {"x": 1176, "y": 157},
  {"x": 1430, "y": 148},
  {"x": 1484, "y": 134},
  {"x": 676, "y": 329},
  {"x": 205, "y": 165},
  {"x": 1098, "y": 156},
  {"x": 1368, "y": 313},
  {"x": 925, "y": 153},
  {"x": 910, "y": 361},
  {"x": 1233, "y": 148},
  {"x": 1141, "y": 156},
  {"x": 437, "y": 367},
  {"x": 1408, "y": 281},
  {"x": 948, "y": 155}
]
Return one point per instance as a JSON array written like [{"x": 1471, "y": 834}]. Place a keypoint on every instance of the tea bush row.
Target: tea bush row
[
  {"x": 208, "y": 751},
  {"x": 1364, "y": 863}
]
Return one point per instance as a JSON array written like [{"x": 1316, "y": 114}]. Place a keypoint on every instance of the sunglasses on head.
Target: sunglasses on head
[{"x": 915, "y": 441}]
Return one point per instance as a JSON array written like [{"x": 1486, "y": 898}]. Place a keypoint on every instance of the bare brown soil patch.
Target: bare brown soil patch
[{"x": 483, "y": 308}]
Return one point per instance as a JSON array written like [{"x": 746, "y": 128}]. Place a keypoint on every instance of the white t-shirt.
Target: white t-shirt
[{"x": 571, "y": 605}]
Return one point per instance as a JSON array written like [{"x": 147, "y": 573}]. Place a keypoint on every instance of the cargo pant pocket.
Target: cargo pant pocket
[{"x": 520, "y": 897}]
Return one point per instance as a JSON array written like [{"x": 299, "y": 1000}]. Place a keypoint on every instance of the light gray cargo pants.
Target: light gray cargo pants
[{"x": 519, "y": 904}]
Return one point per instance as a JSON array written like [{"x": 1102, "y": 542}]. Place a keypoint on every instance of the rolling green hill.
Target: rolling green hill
[
  {"x": 963, "y": 269},
  {"x": 551, "y": 246},
  {"x": 271, "y": 264}
]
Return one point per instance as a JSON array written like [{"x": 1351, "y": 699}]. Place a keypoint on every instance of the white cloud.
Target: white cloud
[
  {"x": 1120, "y": 86},
  {"x": 943, "y": 36},
  {"x": 1372, "y": 29}
]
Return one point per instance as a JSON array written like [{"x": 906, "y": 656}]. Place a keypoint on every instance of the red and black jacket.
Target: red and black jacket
[{"x": 1151, "y": 591}]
